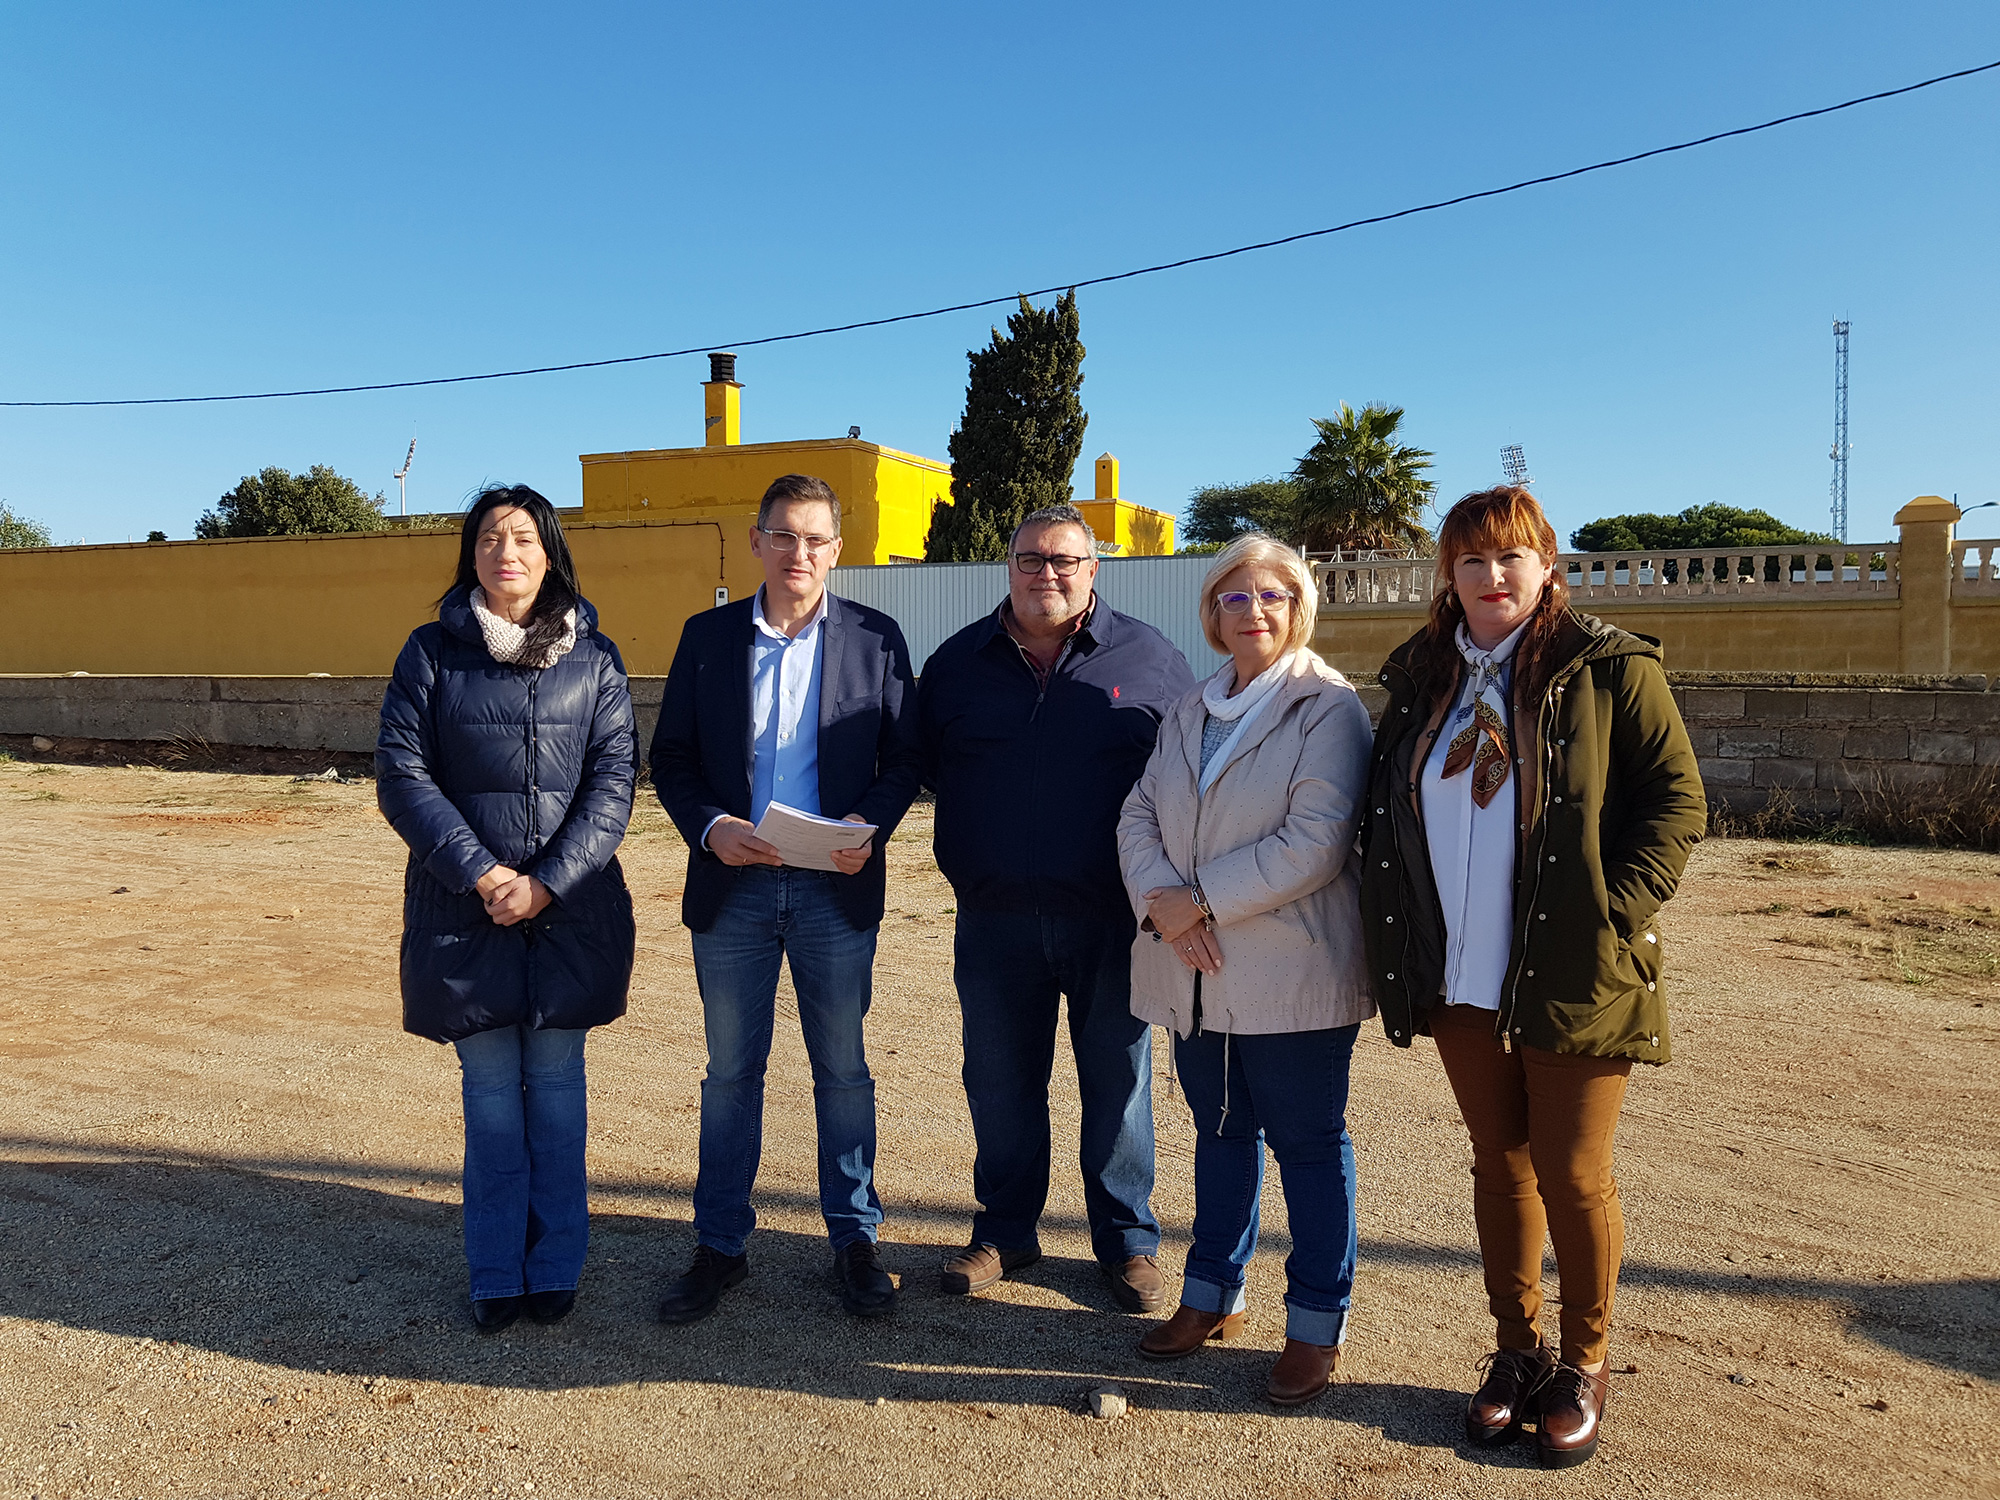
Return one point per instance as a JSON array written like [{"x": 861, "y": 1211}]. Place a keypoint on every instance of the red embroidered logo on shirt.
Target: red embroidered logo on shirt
[{"x": 1114, "y": 692}]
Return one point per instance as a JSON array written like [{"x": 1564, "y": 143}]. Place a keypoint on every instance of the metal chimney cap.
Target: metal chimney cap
[{"x": 721, "y": 369}]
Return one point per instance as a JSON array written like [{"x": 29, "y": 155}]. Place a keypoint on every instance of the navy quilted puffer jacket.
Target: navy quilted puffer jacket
[{"x": 480, "y": 763}]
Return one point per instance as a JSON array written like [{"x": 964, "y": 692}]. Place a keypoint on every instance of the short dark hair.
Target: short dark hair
[
  {"x": 559, "y": 593},
  {"x": 1056, "y": 515},
  {"x": 792, "y": 489}
]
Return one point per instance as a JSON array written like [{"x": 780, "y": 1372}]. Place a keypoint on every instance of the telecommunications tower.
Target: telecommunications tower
[
  {"x": 402, "y": 490},
  {"x": 1840, "y": 443},
  {"x": 1514, "y": 464}
]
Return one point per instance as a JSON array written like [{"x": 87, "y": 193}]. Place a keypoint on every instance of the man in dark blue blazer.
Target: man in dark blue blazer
[{"x": 799, "y": 698}]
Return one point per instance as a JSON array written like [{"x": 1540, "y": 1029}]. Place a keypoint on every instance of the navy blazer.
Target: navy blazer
[{"x": 868, "y": 758}]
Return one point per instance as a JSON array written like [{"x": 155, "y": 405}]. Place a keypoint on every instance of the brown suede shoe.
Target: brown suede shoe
[
  {"x": 1187, "y": 1330},
  {"x": 1136, "y": 1285},
  {"x": 977, "y": 1267},
  {"x": 1301, "y": 1373},
  {"x": 1514, "y": 1378},
  {"x": 1572, "y": 1416}
]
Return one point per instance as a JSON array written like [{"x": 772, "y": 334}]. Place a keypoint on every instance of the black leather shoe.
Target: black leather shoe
[
  {"x": 491, "y": 1314},
  {"x": 709, "y": 1275},
  {"x": 551, "y": 1307},
  {"x": 865, "y": 1288}
]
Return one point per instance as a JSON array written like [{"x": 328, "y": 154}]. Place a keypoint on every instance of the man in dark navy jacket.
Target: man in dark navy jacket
[
  {"x": 1035, "y": 723},
  {"x": 795, "y": 697}
]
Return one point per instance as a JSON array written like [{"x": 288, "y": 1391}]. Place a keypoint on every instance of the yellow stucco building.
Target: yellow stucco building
[
  {"x": 885, "y": 495},
  {"x": 662, "y": 534}
]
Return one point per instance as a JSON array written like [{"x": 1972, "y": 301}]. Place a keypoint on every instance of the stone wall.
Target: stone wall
[
  {"x": 1824, "y": 740},
  {"x": 1829, "y": 742}
]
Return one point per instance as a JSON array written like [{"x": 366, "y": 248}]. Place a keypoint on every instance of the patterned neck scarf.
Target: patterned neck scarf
[{"x": 1479, "y": 722}]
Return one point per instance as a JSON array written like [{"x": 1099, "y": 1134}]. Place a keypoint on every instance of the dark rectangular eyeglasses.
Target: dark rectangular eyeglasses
[{"x": 1034, "y": 562}]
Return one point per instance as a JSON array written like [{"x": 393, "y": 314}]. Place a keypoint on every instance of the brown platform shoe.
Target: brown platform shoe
[
  {"x": 1302, "y": 1372},
  {"x": 1187, "y": 1330},
  {"x": 1571, "y": 1415},
  {"x": 1513, "y": 1379}
]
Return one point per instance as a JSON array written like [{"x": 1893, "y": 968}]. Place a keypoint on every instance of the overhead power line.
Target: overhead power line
[{"x": 956, "y": 307}]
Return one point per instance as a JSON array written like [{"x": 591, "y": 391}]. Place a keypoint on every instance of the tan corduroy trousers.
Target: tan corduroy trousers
[{"x": 1542, "y": 1125}]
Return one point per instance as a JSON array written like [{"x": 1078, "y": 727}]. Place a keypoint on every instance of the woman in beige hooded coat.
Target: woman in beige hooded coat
[{"x": 1236, "y": 847}]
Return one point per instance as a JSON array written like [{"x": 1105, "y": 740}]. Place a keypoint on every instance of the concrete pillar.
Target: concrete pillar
[{"x": 1925, "y": 615}]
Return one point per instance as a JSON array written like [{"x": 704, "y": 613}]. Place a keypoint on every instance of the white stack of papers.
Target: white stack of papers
[{"x": 805, "y": 840}]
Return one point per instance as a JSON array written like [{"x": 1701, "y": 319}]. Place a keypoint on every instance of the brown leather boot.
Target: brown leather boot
[
  {"x": 1572, "y": 1415},
  {"x": 1187, "y": 1330},
  {"x": 1514, "y": 1377},
  {"x": 1301, "y": 1373}
]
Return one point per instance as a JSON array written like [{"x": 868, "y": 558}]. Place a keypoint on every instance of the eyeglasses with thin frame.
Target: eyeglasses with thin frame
[
  {"x": 1236, "y": 603},
  {"x": 788, "y": 541},
  {"x": 1032, "y": 563}
]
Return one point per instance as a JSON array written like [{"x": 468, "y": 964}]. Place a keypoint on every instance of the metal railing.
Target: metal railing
[
  {"x": 1975, "y": 569},
  {"x": 1707, "y": 575}
]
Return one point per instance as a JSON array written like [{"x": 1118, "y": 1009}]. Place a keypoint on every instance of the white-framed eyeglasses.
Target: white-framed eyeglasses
[
  {"x": 1273, "y": 600},
  {"x": 790, "y": 541}
]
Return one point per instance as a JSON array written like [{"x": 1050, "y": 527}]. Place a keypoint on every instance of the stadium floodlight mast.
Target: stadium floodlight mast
[
  {"x": 402, "y": 490},
  {"x": 1514, "y": 464}
]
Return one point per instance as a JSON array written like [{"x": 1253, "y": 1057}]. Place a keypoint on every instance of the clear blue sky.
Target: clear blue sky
[{"x": 210, "y": 198}]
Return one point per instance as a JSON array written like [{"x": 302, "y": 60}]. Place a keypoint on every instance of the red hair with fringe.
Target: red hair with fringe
[{"x": 1492, "y": 521}]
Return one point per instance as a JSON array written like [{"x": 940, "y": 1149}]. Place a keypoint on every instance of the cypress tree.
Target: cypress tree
[{"x": 1017, "y": 444}]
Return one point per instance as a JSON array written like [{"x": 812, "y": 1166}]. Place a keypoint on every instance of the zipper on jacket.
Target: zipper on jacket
[
  {"x": 534, "y": 766},
  {"x": 1543, "y": 761}
]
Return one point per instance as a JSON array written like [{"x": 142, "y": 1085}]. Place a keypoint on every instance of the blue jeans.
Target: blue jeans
[
  {"x": 777, "y": 912},
  {"x": 1290, "y": 1089},
  {"x": 1012, "y": 969},
  {"x": 527, "y": 1211}
]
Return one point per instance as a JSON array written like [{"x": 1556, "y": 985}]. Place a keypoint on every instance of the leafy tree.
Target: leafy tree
[
  {"x": 19, "y": 531},
  {"x": 277, "y": 503},
  {"x": 156, "y": 536},
  {"x": 1219, "y": 513},
  {"x": 1355, "y": 489},
  {"x": 1360, "y": 488},
  {"x": 1017, "y": 444},
  {"x": 1697, "y": 526},
  {"x": 1727, "y": 527}
]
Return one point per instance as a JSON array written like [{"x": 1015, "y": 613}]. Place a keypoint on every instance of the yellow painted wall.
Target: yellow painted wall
[
  {"x": 1975, "y": 636},
  {"x": 1138, "y": 530},
  {"x": 1860, "y": 635},
  {"x": 885, "y": 496},
  {"x": 337, "y": 604}
]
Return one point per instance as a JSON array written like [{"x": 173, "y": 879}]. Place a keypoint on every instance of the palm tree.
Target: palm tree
[{"x": 1359, "y": 489}]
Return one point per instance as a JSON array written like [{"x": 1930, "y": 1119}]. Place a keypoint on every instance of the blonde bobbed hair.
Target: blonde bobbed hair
[{"x": 1255, "y": 549}]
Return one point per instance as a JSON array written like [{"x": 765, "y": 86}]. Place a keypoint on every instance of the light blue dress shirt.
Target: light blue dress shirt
[{"x": 784, "y": 712}]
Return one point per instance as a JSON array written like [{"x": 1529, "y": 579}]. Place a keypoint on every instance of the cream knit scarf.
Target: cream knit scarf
[{"x": 508, "y": 642}]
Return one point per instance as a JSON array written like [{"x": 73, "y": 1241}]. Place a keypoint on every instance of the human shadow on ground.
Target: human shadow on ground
[{"x": 325, "y": 1276}]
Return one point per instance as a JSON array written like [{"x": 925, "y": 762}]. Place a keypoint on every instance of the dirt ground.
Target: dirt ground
[{"x": 228, "y": 1188}]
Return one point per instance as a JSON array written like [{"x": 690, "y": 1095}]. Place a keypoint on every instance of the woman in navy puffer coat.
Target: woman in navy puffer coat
[{"x": 506, "y": 762}]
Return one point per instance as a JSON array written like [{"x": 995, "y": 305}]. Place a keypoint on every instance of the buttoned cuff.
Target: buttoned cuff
[{"x": 711, "y": 827}]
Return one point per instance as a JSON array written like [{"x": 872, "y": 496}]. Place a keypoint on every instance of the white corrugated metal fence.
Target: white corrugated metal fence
[{"x": 933, "y": 601}]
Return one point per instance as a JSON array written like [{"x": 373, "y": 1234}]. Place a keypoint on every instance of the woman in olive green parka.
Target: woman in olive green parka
[{"x": 1533, "y": 797}]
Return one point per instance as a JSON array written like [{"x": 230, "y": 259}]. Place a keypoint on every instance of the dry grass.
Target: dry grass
[
  {"x": 1963, "y": 813},
  {"x": 1903, "y": 939}
]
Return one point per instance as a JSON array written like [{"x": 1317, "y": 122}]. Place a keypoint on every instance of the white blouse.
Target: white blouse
[{"x": 1472, "y": 852}]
